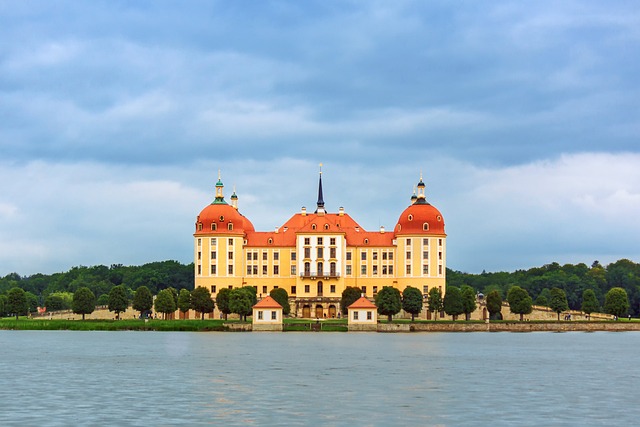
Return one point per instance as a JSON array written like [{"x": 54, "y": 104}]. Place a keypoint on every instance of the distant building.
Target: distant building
[
  {"x": 363, "y": 315},
  {"x": 267, "y": 315},
  {"x": 315, "y": 255}
]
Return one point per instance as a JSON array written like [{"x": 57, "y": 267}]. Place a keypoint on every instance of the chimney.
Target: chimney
[
  {"x": 382, "y": 229},
  {"x": 304, "y": 211},
  {"x": 341, "y": 211}
]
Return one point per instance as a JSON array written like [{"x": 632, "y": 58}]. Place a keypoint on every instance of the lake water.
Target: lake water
[{"x": 64, "y": 378}]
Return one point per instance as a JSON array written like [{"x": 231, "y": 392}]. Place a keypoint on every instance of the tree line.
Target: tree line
[
  {"x": 572, "y": 279},
  {"x": 583, "y": 288},
  {"x": 56, "y": 291}
]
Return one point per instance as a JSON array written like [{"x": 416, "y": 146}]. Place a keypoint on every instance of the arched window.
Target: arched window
[
  {"x": 199, "y": 226},
  {"x": 214, "y": 226},
  {"x": 366, "y": 241},
  {"x": 270, "y": 241},
  {"x": 230, "y": 226},
  {"x": 425, "y": 226},
  {"x": 326, "y": 226},
  {"x": 320, "y": 268},
  {"x": 313, "y": 226},
  {"x": 307, "y": 268}
]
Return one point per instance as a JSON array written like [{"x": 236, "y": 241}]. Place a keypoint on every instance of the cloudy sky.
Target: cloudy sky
[{"x": 115, "y": 117}]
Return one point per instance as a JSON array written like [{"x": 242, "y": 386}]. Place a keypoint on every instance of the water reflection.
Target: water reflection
[{"x": 147, "y": 378}]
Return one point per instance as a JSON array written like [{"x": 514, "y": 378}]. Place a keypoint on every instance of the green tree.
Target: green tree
[
  {"x": 616, "y": 302},
  {"x": 222, "y": 301},
  {"x": 544, "y": 296},
  {"x": 118, "y": 300},
  {"x": 201, "y": 301},
  {"x": 17, "y": 303},
  {"x": 252, "y": 291},
  {"x": 590, "y": 302},
  {"x": 542, "y": 301},
  {"x": 103, "y": 299},
  {"x": 558, "y": 302},
  {"x": 32, "y": 302},
  {"x": 54, "y": 302},
  {"x": 165, "y": 303},
  {"x": 174, "y": 294},
  {"x": 412, "y": 301},
  {"x": 389, "y": 302},
  {"x": 3, "y": 305},
  {"x": 184, "y": 300},
  {"x": 241, "y": 302},
  {"x": 84, "y": 301},
  {"x": 519, "y": 301},
  {"x": 282, "y": 297},
  {"x": 494, "y": 304},
  {"x": 434, "y": 301},
  {"x": 350, "y": 295},
  {"x": 453, "y": 302},
  {"x": 469, "y": 305},
  {"x": 142, "y": 300}
]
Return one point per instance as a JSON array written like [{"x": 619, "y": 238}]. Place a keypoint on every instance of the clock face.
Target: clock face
[{"x": 221, "y": 218}]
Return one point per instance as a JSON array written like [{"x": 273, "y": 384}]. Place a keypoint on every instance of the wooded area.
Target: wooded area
[
  {"x": 573, "y": 279},
  {"x": 43, "y": 289}
]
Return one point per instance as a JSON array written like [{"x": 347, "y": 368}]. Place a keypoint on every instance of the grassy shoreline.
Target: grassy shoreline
[
  {"x": 209, "y": 325},
  {"x": 113, "y": 325}
]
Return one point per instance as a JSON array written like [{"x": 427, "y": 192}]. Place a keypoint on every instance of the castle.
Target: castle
[{"x": 314, "y": 256}]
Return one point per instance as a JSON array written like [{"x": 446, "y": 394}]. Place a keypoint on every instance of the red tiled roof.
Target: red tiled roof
[
  {"x": 267, "y": 302},
  {"x": 222, "y": 215},
  {"x": 413, "y": 220},
  {"x": 327, "y": 223},
  {"x": 362, "y": 302}
]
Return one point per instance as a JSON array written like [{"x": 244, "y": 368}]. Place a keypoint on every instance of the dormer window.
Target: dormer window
[
  {"x": 214, "y": 226},
  {"x": 366, "y": 241},
  {"x": 425, "y": 226},
  {"x": 313, "y": 226},
  {"x": 230, "y": 226},
  {"x": 199, "y": 226},
  {"x": 439, "y": 218},
  {"x": 270, "y": 241},
  {"x": 326, "y": 226},
  {"x": 410, "y": 217}
]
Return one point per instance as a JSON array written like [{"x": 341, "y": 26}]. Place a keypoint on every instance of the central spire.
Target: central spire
[{"x": 320, "y": 209}]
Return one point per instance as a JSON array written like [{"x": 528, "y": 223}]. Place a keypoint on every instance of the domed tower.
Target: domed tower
[
  {"x": 220, "y": 232},
  {"x": 421, "y": 242}
]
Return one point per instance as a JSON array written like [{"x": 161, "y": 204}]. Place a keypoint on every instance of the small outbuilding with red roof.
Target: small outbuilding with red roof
[
  {"x": 362, "y": 315},
  {"x": 267, "y": 315}
]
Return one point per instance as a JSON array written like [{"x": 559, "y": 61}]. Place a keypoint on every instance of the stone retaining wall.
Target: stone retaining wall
[
  {"x": 239, "y": 327},
  {"x": 523, "y": 327}
]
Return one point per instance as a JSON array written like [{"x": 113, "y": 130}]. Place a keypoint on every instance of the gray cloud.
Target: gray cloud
[{"x": 122, "y": 101}]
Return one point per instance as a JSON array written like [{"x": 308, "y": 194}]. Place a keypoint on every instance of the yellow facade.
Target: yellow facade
[{"x": 315, "y": 256}]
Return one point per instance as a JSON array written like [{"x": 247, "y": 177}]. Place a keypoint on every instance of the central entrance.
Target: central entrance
[{"x": 319, "y": 312}]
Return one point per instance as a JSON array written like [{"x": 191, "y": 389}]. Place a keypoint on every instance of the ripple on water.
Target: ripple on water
[{"x": 145, "y": 378}]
